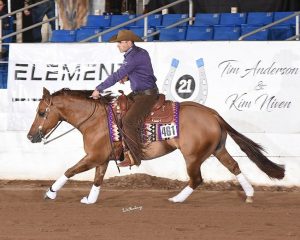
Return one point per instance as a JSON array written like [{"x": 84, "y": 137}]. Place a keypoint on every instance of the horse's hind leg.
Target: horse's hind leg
[
  {"x": 226, "y": 159},
  {"x": 95, "y": 190},
  {"x": 193, "y": 170}
]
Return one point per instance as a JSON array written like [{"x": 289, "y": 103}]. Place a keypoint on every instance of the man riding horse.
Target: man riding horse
[{"x": 136, "y": 68}]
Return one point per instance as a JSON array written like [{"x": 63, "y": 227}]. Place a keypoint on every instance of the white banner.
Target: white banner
[{"x": 253, "y": 85}]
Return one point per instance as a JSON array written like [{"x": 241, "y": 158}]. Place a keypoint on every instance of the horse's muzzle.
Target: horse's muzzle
[{"x": 35, "y": 139}]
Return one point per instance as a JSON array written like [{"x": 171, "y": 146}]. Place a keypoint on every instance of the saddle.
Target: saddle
[
  {"x": 161, "y": 124},
  {"x": 161, "y": 112}
]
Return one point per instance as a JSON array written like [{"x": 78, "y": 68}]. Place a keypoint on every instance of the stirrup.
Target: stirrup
[{"x": 128, "y": 160}]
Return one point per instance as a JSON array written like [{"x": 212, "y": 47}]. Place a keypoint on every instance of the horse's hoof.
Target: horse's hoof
[
  {"x": 175, "y": 200},
  {"x": 249, "y": 200},
  {"x": 50, "y": 195},
  {"x": 85, "y": 200}
]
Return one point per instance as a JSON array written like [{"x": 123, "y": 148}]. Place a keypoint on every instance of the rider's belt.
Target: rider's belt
[{"x": 151, "y": 91}]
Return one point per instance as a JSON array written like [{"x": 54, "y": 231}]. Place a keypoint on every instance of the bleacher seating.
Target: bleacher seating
[
  {"x": 233, "y": 18},
  {"x": 86, "y": 32},
  {"x": 63, "y": 36},
  {"x": 199, "y": 33},
  {"x": 118, "y": 19},
  {"x": 228, "y": 33},
  {"x": 280, "y": 15},
  {"x": 168, "y": 19},
  {"x": 153, "y": 21},
  {"x": 98, "y": 21},
  {"x": 172, "y": 34},
  {"x": 7, "y": 28},
  {"x": 3, "y": 79},
  {"x": 281, "y": 32},
  {"x": 206, "y": 26},
  {"x": 3, "y": 75},
  {"x": 203, "y": 19},
  {"x": 259, "y": 36},
  {"x": 140, "y": 31},
  {"x": 259, "y": 18}
]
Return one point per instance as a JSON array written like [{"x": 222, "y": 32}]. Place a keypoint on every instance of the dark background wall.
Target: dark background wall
[
  {"x": 218, "y": 6},
  {"x": 120, "y": 6}
]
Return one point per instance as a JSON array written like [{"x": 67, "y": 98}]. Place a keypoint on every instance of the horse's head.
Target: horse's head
[
  {"x": 46, "y": 118},
  {"x": 73, "y": 13}
]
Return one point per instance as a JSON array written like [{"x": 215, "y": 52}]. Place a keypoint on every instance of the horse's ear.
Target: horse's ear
[{"x": 46, "y": 93}]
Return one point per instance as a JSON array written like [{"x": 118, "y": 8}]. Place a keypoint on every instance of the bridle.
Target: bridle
[{"x": 46, "y": 113}]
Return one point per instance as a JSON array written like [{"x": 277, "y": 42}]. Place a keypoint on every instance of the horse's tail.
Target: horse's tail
[{"x": 253, "y": 151}]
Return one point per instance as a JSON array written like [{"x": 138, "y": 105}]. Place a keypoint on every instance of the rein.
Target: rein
[{"x": 50, "y": 133}]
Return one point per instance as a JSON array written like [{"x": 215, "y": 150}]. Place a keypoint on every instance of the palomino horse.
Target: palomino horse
[
  {"x": 73, "y": 13},
  {"x": 203, "y": 133}
]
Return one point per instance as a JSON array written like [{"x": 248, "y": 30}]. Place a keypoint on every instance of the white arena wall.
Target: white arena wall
[{"x": 253, "y": 85}]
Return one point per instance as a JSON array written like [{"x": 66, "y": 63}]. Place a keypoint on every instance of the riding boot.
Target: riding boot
[{"x": 128, "y": 160}]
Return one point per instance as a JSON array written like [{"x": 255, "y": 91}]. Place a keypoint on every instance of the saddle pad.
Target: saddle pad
[
  {"x": 157, "y": 131},
  {"x": 152, "y": 131}
]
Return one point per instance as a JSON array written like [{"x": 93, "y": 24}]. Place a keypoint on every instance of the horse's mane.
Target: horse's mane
[{"x": 84, "y": 94}]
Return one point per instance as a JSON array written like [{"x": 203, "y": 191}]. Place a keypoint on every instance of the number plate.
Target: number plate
[{"x": 168, "y": 131}]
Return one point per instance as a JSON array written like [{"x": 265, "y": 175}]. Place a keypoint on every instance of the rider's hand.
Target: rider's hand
[
  {"x": 123, "y": 80},
  {"x": 95, "y": 94}
]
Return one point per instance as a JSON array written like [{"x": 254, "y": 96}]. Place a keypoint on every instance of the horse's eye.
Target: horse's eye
[{"x": 41, "y": 114}]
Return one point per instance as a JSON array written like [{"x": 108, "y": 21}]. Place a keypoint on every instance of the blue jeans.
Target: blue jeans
[{"x": 38, "y": 13}]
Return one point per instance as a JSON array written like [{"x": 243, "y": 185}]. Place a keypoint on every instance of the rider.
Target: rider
[{"x": 136, "y": 68}]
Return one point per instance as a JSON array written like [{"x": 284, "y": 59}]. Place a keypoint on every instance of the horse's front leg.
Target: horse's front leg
[
  {"x": 95, "y": 190},
  {"x": 83, "y": 165}
]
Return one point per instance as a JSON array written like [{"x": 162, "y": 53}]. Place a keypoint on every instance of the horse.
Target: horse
[
  {"x": 203, "y": 133},
  {"x": 73, "y": 13}
]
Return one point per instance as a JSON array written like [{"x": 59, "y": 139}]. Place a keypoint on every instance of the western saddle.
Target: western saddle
[{"x": 161, "y": 112}]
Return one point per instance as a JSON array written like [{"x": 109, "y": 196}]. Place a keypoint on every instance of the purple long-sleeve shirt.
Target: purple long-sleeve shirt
[{"x": 137, "y": 66}]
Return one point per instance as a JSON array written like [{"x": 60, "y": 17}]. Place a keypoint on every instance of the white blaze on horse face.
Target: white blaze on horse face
[{"x": 47, "y": 110}]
